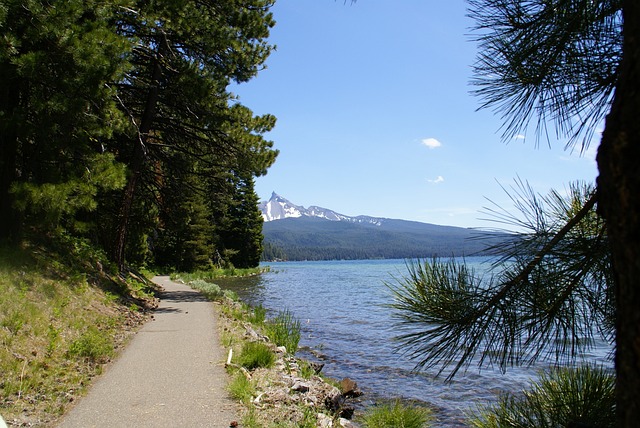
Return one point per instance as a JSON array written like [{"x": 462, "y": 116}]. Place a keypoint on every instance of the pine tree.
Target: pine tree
[
  {"x": 186, "y": 55},
  {"x": 57, "y": 111},
  {"x": 242, "y": 231},
  {"x": 568, "y": 63},
  {"x": 185, "y": 234}
]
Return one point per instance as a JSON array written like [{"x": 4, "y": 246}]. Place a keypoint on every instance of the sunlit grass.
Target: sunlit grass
[
  {"x": 55, "y": 331},
  {"x": 210, "y": 290},
  {"x": 284, "y": 330},
  {"x": 582, "y": 396},
  {"x": 397, "y": 415},
  {"x": 241, "y": 388},
  {"x": 256, "y": 355},
  {"x": 212, "y": 274}
]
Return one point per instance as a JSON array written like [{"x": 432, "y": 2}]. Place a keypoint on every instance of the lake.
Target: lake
[{"x": 341, "y": 307}]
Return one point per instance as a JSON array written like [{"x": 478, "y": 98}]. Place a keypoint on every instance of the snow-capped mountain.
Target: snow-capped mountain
[{"x": 278, "y": 208}]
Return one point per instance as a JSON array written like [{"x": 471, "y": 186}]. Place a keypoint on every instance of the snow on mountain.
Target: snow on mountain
[{"x": 277, "y": 208}]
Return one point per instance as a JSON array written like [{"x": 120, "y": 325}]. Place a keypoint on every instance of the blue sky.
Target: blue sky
[{"x": 375, "y": 115}]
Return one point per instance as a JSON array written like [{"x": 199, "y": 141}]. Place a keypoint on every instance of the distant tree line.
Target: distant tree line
[
  {"x": 319, "y": 239},
  {"x": 117, "y": 126},
  {"x": 273, "y": 252}
]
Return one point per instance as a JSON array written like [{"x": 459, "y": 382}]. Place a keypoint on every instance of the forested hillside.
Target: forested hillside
[
  {"x": 117, "y": 128},
  {"x": 308, "y": 238}
]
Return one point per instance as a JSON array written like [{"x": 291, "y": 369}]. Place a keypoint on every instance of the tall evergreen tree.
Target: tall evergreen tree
[
  {"x": 242, "y": 231},
  {"x": 186, "y": 54},
  {"x": 56, "y": 110},
  {"x": 184, "y": 238}
]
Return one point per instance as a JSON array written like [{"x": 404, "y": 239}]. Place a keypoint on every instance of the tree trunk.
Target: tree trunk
[
  {"x": 125, "y": 214},
  {"x": 138, "y": 160},
  {"x": 619, "y": 203},
  {"x": 9, "y": 98}
]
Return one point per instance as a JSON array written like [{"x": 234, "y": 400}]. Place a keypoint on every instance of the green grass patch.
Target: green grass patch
[
  {"x": 582, "y": 396},
  {"x": 93, "y": 344},
  {"x": 61, "y": 316},
  {"x": 211, "y": 275},
  {"x": 241, "y": 388},
  {"x": 257, "y": 315},
  {"x": 284, "y": 330},
  {"x": 255, "y": 355},
  {"x": 306, "y": 369},
  {"x": 397, "y": 415}
]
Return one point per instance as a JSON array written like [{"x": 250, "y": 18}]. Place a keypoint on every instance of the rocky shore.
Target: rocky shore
[{"x": 293, "y": 390}]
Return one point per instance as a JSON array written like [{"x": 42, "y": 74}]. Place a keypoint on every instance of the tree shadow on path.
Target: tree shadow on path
[{"x": 180, "y": 296}]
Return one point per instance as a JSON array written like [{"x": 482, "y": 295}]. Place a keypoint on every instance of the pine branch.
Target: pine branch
[{"x": 526, "y": 271}]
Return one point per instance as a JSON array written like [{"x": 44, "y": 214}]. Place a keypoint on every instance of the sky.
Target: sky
[{"x": 375, "y": 116}]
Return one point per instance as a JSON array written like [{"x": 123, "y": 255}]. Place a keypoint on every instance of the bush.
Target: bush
[
  {"x": 284, "y": 330},
  {"x": 231, "y": 295},
  {"x": 92, "y": 344},
  {"x": 255, "y": 355},
  {"x": 583, "y": 396},
  {"x": 396, "y": 415},
  {"x": 210, "y": 290}
]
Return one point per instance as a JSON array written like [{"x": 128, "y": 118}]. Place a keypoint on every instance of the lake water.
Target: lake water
[{"x": 341, "y": 307}]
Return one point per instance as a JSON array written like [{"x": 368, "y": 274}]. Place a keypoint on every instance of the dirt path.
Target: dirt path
[{"x": 170, "y": 375}]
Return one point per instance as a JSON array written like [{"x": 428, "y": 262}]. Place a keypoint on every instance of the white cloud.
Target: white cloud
[
  {"x": 431, "y": 143},
  {"x": 440, "y": 179},
  {"x": 518, "y": 137}
]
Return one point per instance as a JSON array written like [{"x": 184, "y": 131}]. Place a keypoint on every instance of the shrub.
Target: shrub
[
  {"x": 284, "y": 330},
  {"x": 583, "y": 396},
  {"x": 210, "y": 290},
  {"x": 255, "y": 355},
  {"x": 396, "y": 415},
  {"x": 231, "y": 295},
  {"x": 92, "y": 344}
]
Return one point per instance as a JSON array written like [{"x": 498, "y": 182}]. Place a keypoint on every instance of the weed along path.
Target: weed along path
[{"x": 170, "y": 375}]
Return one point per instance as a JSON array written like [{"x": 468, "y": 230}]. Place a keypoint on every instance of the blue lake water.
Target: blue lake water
[{"x": 341, "y": 305}]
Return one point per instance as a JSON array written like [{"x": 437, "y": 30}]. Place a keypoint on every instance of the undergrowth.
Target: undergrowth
[
  {"x": 397, "y": 414},
  {"x": 284, "y": 330},
  {"x": 256, "y": 355},
  {"x": 212, "y": 274},
  {"x": 63, "y": 313},
  {"x": 563, "y": 397},
  {"x": 250, "y": 374}
]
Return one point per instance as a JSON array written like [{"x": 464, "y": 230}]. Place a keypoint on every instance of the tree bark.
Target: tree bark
[
  {"x": 137, "y": 162},
  {"x": 619, "y": 203},
  {"x": 9, "y": 97}
]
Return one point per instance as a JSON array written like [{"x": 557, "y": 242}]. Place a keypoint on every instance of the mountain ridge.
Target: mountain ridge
[
  {"x": 278, "y": 208},
  {"x": 293, "y": 232}
]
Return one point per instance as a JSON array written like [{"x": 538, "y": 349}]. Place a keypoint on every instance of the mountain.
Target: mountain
[
  {"x": 278, "y": 208},
  {"x": 293, "y": 232}
]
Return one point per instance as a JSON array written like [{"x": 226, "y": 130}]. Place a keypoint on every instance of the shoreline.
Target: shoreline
[{"x": 293, "y": 389}]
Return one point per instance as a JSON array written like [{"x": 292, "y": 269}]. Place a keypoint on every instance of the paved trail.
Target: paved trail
[{"x": 170, "y": 375}]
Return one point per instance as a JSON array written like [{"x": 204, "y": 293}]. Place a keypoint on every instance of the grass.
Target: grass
[
  {"x": 397, "y": 415},
  {"x": 256, "y": 355},
  {"x": 582, "y": 396},
  {"x": 210, "y": 290},
  {"x": 284, "y": 330},
  {"x": 62, "y": 315},
  {"x": 94, "y": 345},
  {"x": 249, "y": 386},
  {"x": 241, "y": 388},
  {"x": 212, "y": 274}
]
